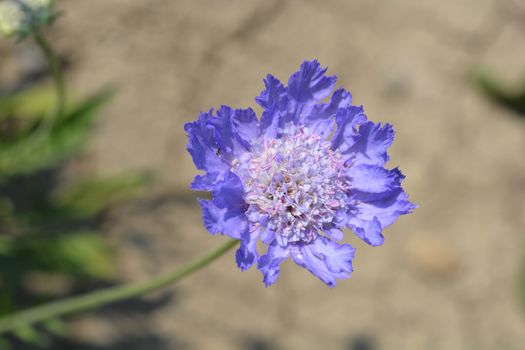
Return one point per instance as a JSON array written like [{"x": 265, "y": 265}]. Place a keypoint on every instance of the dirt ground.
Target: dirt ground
[{"x": 446, "y": 276}]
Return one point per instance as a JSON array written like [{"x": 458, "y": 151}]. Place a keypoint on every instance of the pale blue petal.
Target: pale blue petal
[
  {"x": 326, "y": 259},
  {"x": 270, "y": 263}
]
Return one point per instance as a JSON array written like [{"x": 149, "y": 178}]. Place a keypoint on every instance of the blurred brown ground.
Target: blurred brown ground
[{"x": 445, "y": 278}]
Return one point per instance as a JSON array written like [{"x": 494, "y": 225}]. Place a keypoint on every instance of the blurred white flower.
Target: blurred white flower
[{"x": 22, "y": 16}]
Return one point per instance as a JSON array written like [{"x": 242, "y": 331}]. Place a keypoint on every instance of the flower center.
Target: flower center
[{"x": 294, "y": 185}]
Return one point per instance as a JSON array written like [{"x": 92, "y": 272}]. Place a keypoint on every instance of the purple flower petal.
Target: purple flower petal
[
  {"x": 347, "y": 120},
  {"x": 271, "y": 99},
  {"x": 371, "y": 143},
  {"x": 334, "y": 232},
  {"x": 204, "y": 144},
  {"x": 270, "y": 263},
  {"x": 247, "y": 254},
  {"x": 378, "y": 199},
  {"x": 207, "y": 182},
  {"x": 245, "y": 126},
  {"x": 222, "y": 220},
  {"x": 321, "y": 120},
  {"x": 273, "y": 93},
  {"x": 369, "y": 231},
  {"x": 225, "y": 212},
  {"x": 367, "y": 219},
  {"x": 270, "y": 124},
  {"x": 308, "y": 86},
  {"x": 230, "y": 143},
  {"x": 325, "y": 259},
  {"x": 370, "y": 181}
]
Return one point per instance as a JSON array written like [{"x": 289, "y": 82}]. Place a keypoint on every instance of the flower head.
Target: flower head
[
  {"x": 20, "y": 17},
  {"x": 296, "y": 177}
]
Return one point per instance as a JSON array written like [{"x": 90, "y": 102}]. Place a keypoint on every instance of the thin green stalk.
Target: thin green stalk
[
  {"x": 54, "y": 65},
  {"x": 110, "y": 295}
]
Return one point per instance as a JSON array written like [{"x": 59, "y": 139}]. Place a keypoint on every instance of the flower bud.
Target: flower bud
[{"x": 21, "y": 17}]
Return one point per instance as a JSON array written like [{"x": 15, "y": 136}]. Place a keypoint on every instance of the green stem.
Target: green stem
[
  {"x": 98, "y": 298},
  {"x": 56, "y": 72}
]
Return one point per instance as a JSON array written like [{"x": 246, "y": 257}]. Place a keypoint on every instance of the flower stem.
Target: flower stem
[
  {"x": 56, "y": 72},
  {"x": 98, "y": 298}
]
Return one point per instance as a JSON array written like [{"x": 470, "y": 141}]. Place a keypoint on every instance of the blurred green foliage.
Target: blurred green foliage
[
  {"x": 31, "y": 144},
  {"x": 76, "y": 253},
  {"x": 511, "y": 98},
  {"x": 48, "y": 226},
  {"x": 89, "y": 197}
]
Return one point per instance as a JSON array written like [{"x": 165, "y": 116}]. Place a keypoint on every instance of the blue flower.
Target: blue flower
[{"x": 296, "y": 177}]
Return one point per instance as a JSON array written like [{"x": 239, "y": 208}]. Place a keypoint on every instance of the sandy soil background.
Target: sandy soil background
[{"x": 445, "y": 278}]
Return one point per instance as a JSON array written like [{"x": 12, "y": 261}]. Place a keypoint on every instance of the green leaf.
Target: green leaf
[
  {"x": 79, "y": 254},
  {"x": 6, "y": 213},
  {"x": 6, "y": 207},
  {"x": 44, "y": 148},
  {"x": 89, "y": 197},
  {"x": 56, "y": 327},
  {"x": 31, "y": 103},
  {"x": 6, "y": 300},
  {"x": 5, "y": 245},
  {"x": 513, "y": 99},
  {"x": 4, "y": 344},
  {"x": 29, "y": 335}
]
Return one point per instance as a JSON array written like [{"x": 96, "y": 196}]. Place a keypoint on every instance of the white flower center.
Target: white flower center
[{"x": 294, "y": 185}]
